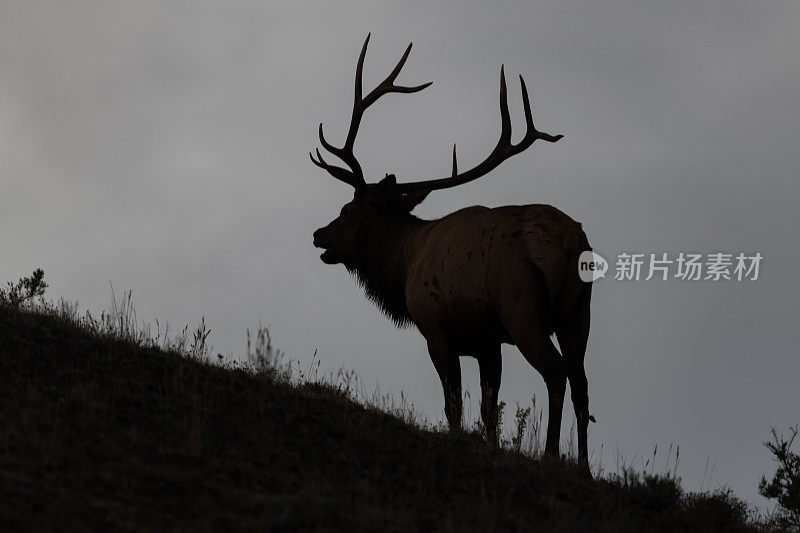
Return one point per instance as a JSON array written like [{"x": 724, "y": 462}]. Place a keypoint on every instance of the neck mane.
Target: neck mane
[{"x": 385, "y": 251}]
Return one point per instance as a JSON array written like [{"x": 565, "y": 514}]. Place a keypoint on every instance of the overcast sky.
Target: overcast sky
[{"x": 162, "y": 147}]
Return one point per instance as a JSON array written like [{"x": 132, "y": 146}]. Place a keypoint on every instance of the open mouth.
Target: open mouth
[{"x": 328, "y": 257}]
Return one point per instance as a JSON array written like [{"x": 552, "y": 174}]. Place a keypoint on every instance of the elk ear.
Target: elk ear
[
  {"x": 386, "y": 184},
  {"x": 411, "y": 200}
]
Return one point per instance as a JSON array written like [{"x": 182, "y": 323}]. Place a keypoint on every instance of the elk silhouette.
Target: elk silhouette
[{"x": 472, "y": 280}]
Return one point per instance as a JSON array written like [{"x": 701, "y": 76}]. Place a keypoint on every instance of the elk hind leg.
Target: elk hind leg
[
  {"x": 534, "y": 342},
  {"x": 573, "y": 334}
]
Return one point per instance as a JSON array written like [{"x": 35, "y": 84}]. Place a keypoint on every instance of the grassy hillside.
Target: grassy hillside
[{"x": 98, "y": 432}]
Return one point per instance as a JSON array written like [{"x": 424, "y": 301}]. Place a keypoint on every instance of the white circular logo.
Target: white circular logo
[{"x": 591, "y": 266}]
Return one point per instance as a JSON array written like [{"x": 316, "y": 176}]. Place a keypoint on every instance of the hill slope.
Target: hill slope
[{"x": 97, "y": 433}]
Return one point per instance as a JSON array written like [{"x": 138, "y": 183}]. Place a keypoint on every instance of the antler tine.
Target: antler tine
[
  {"x": 358, "y": 111},
  {"x": 532, "y": 131},
  {"x": 397, "y": 68},
  {"x": 505, "y": 116},
  {"x": 526, "y": 104},
  {"x": 355, "y": 176},
  {"x": 337, "y": 172},
  {"x": 360, "y": 70},
  {"x": 388, "y": 86},
  {"x": 503, "y": 150}
]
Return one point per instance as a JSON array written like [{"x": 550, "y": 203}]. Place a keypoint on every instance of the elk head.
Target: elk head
[
  {"x": 371, "y": 207},
  {"x": 374, "y": 205}
]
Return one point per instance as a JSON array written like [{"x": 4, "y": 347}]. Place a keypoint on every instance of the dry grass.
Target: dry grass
[{"x": 106, "y": 425}]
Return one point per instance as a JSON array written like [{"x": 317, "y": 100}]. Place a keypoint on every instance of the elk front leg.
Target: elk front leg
[
  {"x": 491, "y": 367},
  {"x": 449, "y": 369}
]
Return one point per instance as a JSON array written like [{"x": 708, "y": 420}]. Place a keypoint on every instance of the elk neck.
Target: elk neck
[{"x": 385, "y": 248}]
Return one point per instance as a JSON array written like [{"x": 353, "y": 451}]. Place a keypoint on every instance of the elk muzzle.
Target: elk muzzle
[{"x": 321, "y": 240}]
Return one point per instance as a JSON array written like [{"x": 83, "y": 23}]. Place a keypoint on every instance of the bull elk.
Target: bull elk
[{"x": 472, "y": 280}]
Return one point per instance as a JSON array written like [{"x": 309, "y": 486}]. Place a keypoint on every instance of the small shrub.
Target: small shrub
[
  {"x": 784, "y": 487},
  {"x": 265, "y": 359},
  {"x": 522, "y": 416},
  {"x": 652, "y": 491},
  {"x": 25, "y": 290},
  {"x": 720, "y": 509}
]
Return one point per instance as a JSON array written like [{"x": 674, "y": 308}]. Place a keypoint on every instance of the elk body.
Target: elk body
[{"x": 472, "y": 280}]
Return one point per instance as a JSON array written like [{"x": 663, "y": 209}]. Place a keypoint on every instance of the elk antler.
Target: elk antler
[
  {"x": 355, "y": 176},
  {"x": 502, "y": 151}
]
